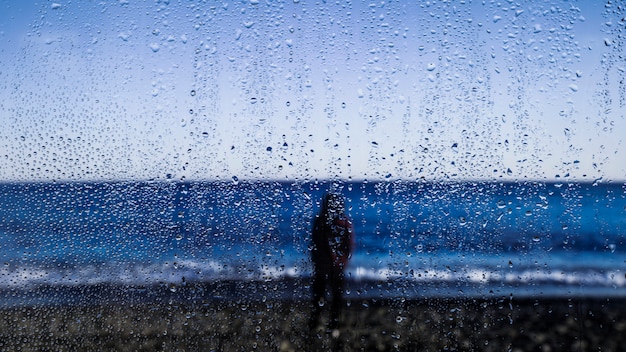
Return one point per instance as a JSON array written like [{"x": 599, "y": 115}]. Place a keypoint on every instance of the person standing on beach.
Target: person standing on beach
[{"x": 333, "y": 241}]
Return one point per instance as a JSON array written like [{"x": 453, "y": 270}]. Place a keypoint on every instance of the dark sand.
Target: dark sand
[{"x": 368, "y": 325}]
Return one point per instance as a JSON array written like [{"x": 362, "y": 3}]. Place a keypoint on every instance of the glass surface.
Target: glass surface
[{"x": 163, "y": 164}]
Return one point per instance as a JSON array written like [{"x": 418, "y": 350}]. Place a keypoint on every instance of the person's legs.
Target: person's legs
[
  {"x": 337, "y": 283},
  {"x": 319, "y": 286}
]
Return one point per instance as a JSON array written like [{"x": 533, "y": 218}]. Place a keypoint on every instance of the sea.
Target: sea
[{"x": 164, "y": 241}]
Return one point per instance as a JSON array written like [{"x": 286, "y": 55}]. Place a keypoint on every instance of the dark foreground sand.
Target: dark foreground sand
[{"x": 369, "y": 325}]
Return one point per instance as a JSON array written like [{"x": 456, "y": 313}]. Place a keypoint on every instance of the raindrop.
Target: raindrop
[
  {"x": 154, "y": 47},
  {"x": 343, "y": 105},
  {"x": 253, "y": 100},
  {"x": 431, "y": 66},
  {"x": 193, "y": 93}
]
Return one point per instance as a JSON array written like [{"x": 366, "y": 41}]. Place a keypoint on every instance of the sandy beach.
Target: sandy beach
[{"x": 505, "y": 324}]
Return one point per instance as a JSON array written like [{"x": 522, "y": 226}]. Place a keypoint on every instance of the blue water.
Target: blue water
[{"x": 412, "y": 239}]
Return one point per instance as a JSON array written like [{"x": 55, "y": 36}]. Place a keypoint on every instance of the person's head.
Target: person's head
[{"x": 333, "y": 204}]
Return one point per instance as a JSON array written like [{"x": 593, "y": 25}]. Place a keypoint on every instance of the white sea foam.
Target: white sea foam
[{"x": 24, "y": 277}]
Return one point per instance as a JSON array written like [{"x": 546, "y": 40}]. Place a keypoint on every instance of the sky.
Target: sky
[{"x": 306, "y": 90}]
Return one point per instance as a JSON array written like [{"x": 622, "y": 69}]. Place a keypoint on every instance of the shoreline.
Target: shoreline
[
  {"x": 430, "y": 324},
  {"x": 285, "y": 289}
]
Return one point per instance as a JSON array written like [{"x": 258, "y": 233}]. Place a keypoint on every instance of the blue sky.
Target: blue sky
[{"x": 301, "y": 90}]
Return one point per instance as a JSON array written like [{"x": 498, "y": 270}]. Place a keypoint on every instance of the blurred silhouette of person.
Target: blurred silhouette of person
[{"x": 333, "y": 241}]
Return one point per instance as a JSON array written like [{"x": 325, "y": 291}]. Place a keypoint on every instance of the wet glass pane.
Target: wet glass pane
[{"x": 266, "y": 175}]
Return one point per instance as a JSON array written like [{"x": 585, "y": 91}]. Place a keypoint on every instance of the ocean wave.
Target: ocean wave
[
  {"x": 208, "y": 271},
  {"x": 613, "y": 278}
]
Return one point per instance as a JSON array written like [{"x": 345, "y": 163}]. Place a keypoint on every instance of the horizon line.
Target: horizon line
[{"x": 235, "y": 180}]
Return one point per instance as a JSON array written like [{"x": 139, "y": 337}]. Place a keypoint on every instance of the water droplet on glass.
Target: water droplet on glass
[
  {"x": 193, "y": 93},
  {"x": 155, "y": 47},
  {"x": 431, "y": 67}
]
